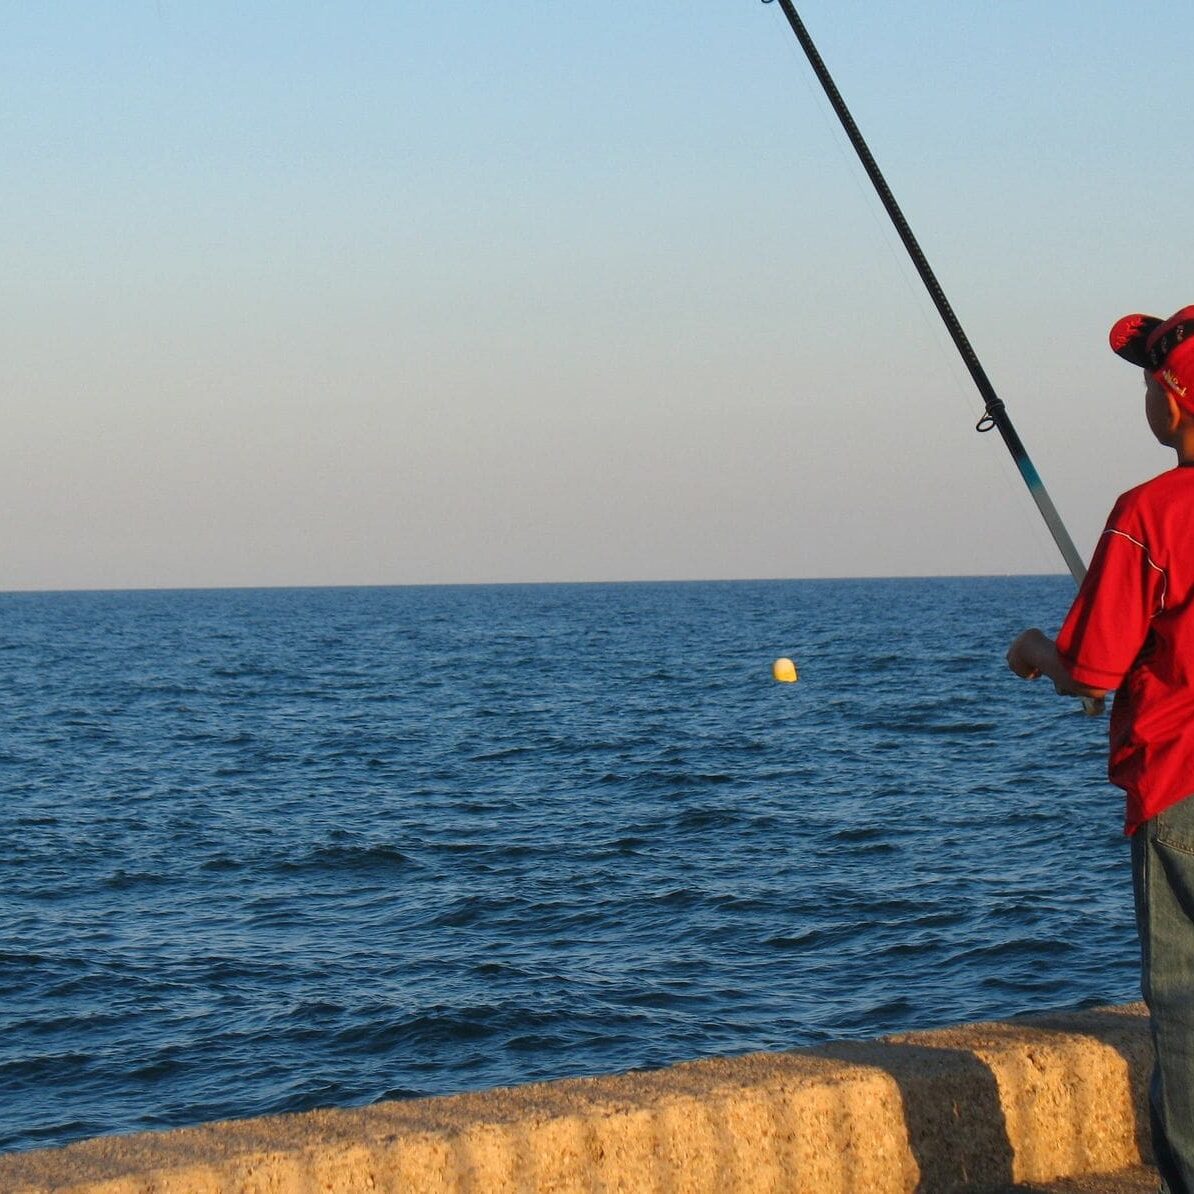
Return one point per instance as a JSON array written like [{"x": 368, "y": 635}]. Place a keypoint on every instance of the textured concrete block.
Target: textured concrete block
[{"x": 981, "y": 1107}]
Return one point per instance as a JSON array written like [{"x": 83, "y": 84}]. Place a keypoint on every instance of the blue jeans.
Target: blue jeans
[{"x": 1163, "y": 880}]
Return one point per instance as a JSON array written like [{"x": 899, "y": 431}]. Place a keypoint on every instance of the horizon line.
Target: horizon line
[{"x": 495, "y": 584}]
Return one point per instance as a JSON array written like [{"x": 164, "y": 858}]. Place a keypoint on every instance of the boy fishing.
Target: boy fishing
[{"x": 1131, "y": 629}]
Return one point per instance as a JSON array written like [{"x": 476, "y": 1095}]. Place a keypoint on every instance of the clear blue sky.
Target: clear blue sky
[{"x": 390, "y": 293}]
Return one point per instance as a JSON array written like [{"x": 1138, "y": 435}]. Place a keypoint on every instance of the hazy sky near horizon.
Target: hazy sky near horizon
[{"x": 374, "y": 293}]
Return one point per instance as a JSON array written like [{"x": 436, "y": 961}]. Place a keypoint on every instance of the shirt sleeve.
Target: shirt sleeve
[{"x": 1109, "y": 620}]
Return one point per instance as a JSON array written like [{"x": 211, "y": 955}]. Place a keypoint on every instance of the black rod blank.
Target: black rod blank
[{"x": 996, "y": 414}]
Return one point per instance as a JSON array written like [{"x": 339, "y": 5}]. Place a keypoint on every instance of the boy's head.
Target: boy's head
[{"x": 1162, "y": 347}]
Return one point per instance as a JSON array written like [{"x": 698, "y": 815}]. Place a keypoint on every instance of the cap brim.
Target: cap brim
[{"x": 1129, "y": 337}]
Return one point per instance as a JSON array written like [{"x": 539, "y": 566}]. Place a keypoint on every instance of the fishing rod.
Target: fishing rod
[{"x": 995, "y": 413}]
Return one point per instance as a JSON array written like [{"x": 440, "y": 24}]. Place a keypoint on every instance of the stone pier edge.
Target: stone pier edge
[{"x": 1028, "y": 1100}]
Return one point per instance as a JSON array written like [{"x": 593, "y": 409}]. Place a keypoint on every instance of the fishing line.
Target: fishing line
[
  {"x": 852, "y": 169},
  {"x": 858, "y": 176},
  {"x": 995, "y": 416}
]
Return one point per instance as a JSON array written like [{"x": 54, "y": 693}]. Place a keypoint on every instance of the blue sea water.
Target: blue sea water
[{"x": 267, "y": 850}]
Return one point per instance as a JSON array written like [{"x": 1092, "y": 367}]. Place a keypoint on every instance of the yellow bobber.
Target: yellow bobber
[{"x": 784, "y": 670}]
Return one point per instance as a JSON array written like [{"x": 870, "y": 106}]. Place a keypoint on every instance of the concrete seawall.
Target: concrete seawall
[{"x": 980, "y": 1106}]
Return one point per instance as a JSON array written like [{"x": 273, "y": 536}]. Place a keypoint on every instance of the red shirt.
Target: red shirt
[{"x": 1131, "y": 628}]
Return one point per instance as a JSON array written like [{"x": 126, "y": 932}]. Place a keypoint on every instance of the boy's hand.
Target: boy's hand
[
  {"x": 1024, "y": 655},
  {"x": 1034, "y": 654}
]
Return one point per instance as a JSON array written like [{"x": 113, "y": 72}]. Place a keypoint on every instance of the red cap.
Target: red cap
[{"x": 1165, "y": 347}]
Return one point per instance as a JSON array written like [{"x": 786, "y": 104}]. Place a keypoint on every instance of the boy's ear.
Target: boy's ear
[{"x": 1177, "y": 412}]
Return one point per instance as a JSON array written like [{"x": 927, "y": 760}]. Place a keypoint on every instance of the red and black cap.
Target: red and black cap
[{"x": 1165, "y": 347}]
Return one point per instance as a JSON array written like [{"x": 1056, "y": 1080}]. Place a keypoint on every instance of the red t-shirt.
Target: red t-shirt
[{"x": 1131, "y": 628}]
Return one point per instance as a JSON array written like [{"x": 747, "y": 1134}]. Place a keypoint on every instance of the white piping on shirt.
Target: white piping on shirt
[{"x": 1149, "y": 561}]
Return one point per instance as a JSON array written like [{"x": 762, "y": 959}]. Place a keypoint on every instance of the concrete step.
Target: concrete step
[
  {"x": 1142, "y": 1180},
  {"x": 960, "y": 1108}
]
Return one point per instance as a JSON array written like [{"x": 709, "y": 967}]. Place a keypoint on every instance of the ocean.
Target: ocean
[{"x": 268, "y": 850}]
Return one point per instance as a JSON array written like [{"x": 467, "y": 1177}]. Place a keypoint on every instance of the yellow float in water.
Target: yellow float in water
[{"x": 784, "y": 670}]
